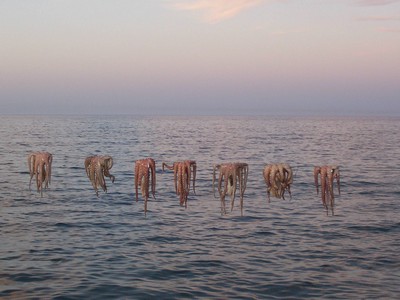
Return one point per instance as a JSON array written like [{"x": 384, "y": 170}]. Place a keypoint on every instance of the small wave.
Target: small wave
[
  {"x": 29, "y": 277},
  {"x": 375, "y": 228},
  {"x": 264, "y": 233},
  {"x": 64, "y": 225}
]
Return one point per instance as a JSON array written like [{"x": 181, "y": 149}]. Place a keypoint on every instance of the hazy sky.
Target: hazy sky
[{"x": 200, "y": 56}]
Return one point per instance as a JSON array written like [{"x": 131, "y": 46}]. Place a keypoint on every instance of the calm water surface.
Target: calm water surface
[{"x": 72, "y": 245}]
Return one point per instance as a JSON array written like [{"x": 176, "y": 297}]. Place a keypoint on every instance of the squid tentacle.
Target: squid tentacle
[
  {"x": 145, "y": 178},
  {"x": 327, "y": 175},
  {"x": 39, "y": 165},
  {"x": 231, "y": 175},
  {"x": 96, "y": 168}
]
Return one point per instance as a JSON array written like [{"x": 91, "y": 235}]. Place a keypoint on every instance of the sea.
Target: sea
[{"x": 70, "y": 244}]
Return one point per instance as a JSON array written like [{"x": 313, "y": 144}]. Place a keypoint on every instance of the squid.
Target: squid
[
  {"x": 327, "y": 176},
  {"x": 184, "y": 171},
  {"x": 39, "y": 164},
  {"x": 278, "y": 178},
  {"x": 96, "y": 168},
  {"x": 145, "y": 171},
  {"x": 230, "y": 176}
]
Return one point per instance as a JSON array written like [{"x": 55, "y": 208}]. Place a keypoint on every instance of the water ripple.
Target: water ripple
[{"x": 70, "y": 244}]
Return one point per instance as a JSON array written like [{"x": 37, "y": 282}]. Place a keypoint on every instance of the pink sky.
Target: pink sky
[{"x": 200, "y": 56}]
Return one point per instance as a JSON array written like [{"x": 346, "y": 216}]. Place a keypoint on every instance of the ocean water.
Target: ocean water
[{"x": 69, "y": 244}]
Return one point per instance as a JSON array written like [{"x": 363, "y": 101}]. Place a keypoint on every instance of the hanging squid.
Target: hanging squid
[
  {"x": 184, "y": 171},
  {"x": 327, "y": 175},
  {"x": 278, "y": 178},
  {"x": 39, "y": 164},
  {"x": 230, "y": 175},
  {"x": 145, "y": 170},
  {"x": 96, "y": 168}
]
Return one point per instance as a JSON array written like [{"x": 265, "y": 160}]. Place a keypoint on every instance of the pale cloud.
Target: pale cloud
[
  {"x": 287, "y": 32},
  {"x": 215, "y": 11},
  {"x": 386, "y": 29},
  {"x": 382, "y": 19},
  {"x": 379, "y": 18},
  {"x": 376, "y": 2}
]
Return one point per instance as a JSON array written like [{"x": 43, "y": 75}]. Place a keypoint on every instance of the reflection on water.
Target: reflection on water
[{"x": 71, "y": 244}]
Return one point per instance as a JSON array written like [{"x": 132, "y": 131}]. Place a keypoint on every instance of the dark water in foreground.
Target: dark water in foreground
[{"x": 71, "y": 245}]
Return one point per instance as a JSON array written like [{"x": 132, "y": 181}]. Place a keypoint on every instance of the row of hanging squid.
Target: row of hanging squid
[{"x": 278, "y": 178}]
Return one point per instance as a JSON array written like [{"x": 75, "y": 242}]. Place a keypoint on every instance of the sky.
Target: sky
[{"x": 200, "y": 57}]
